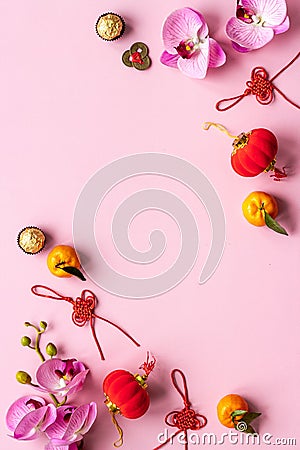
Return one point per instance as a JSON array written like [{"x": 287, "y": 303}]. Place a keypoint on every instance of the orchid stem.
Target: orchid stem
[
  {"x": 37, "y": 345},
  {"x": 56, "y": 402}
]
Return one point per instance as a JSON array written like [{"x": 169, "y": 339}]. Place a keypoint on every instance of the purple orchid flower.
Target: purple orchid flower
[
  {"x": 61, "y": 377},
  {"x": 188, "y": 46},
  {"x": 28, "y": 416},
  {"x": 70, "y": 426},
  {"x": 256, "y": 23}
]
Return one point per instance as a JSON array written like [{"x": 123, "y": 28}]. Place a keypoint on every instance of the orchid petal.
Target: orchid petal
[
  {"x": 49, "y": 418},
  {"x": 169, "y": 60},
  {"x": 273, "y": 12},
  {"x": 76, "y": 422},
  {"x": 51, "y": 446},
  {"x": 58, "y": 428},
  {"x": 78, "y": 366},
  {"x": 47, "y": 376},
  {"x": 91, "y": 417},
  {"x": 28, "y": 427},
  {"x": 239, "y": 48},
  {"x": 247, "y": 35},
  {"x": 58, "y": 444},
  {"x": 283, "y": 27},
  {"x": 217, "y": 56},
  {"x": 196, "y": 66},
  {"x": 180, "y": 25},
  {"x": 203, "y": 31},
  {"x": 75, "y": 385},
  {"x": 51, "y": 379},
  {"x": 19, "y": 409}
]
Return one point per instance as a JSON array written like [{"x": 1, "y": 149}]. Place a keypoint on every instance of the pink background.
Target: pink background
[{"x": 69, "y": 107}]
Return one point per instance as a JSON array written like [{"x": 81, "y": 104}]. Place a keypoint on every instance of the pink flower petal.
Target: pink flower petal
[
  {"x": 248, "y": 35},
  {"x": 91, "y": 417},
  {"x": 217, "y": 56},
  {"x": 58, "y": 428},
  {"x": 76, "y": 422},
  {"x": 75, "y": 385},
  {"x": 20, "y": 408},
  {"x": 203, "y": 31},
  {"x": 50, "y": 376},
  {"x": 196, "y": 66},
  {"x": 239, "y": 48},
  {"x": 28, "y": 427},
  {"x": 49, "y": 418},
  {"x": 58, "y": 444},
  {"x": 273, "y": 12},
  {"x": 180, "y": 25},
  {"x": 283, "y": 27},
  {"x": 169, "y": 60},
  {"x": 47, "y": 374}
]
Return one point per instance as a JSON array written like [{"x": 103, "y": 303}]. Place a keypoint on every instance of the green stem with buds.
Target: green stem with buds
[{"x": 36, "y": 347}]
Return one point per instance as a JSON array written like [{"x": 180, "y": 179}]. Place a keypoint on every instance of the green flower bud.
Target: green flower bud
[
  {"x": 43, "y": 325},
  {"x": 23, "y": 377},
  {"x": 51, "y": 349},
  {"x": 25, "y": 341}
]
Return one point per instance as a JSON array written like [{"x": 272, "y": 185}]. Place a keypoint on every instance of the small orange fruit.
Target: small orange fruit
[
  {"x": 255, "y": 206},
  {"x": 63, "y": 261},
  {"x": 227, "y": 405}
]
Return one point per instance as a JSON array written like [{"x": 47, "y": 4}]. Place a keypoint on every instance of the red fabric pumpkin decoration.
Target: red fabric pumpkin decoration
[
  {"x": 253, "y": 152},
  {"x": 126, "y": 394}
]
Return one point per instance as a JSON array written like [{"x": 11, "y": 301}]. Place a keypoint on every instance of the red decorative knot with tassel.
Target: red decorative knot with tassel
[
  {"x": 185, "y": 419},
  {"x": 260, "y": 86},
  {"x": 83, "y": 311},
  {"x": 126, "y": 394},
  {"x": 253, "y": 152}
]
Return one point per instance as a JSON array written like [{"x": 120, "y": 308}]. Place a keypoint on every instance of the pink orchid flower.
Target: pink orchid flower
[
  {"x": 70, "y": 426},
  {"x": 256, "y": 23},
  {"x": 61, "y": 377},
  {"x": 188, "y": 46},
  {"x": 28, "y": 416}
]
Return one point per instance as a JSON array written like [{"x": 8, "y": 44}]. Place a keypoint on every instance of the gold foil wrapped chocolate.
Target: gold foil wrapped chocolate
[
  {"x": 110, "y": 26},
  {"x": 31, "y": 240}
]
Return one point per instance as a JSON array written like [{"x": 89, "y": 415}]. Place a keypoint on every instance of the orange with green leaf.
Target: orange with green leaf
[
  {"x": 260, "y": 209},
  {"x": 233, "y": 412}
]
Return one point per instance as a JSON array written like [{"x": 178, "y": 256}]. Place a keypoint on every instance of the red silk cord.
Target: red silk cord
[
  {"x": 83, "y": 311},
  {"x": 186, "y": 418},
  {"x": 261, "y": 87}
]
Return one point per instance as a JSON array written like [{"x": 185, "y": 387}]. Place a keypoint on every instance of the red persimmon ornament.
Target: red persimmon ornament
[
  {"x": 253, "y": 152},
  {"x": 126, "y": 394}
]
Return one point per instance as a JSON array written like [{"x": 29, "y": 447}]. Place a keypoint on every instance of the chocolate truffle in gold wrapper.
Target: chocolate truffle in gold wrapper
[
  {"x": 31, "y": 240},
  {"x": 110, "y": 26}
]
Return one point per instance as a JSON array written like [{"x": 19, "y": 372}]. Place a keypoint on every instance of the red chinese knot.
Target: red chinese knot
[
  {"x": 185, "y": 419},
  {"x": 260, "y": 86},
  {"x": 83, "y": 311}
]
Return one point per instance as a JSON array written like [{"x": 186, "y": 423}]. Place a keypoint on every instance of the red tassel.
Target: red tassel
[
  {"x": 83, "y": 311},
  {"x": 261, "y": 87}
]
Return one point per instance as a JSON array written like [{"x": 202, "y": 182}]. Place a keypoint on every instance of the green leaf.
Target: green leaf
[
  {"x": 273, "y": 224},
  {"x": 250, "y": 416},
  {"x": 73, "y": 271},
  {"x": 250, "y": 430},
  {"x": 238, "y": 412}
]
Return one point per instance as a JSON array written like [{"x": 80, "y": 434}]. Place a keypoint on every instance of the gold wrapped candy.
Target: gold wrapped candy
[
  {"x": 110, "y": 26},
  {"x": 31, "y": 240}
]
